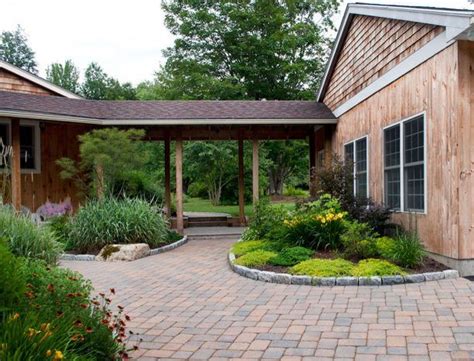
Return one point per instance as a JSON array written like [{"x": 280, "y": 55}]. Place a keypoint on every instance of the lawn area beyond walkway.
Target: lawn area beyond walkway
[{"x": 204, "y": 205}]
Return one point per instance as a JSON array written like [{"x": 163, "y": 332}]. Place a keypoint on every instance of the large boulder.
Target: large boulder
[{"x": 123, "y": 252}]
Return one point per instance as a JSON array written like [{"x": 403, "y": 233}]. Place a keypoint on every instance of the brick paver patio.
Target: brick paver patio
[{"x": 188, "y": 304}]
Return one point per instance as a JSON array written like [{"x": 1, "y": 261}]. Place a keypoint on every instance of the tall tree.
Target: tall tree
[
  {"x": 98, "y": 85},
  {"x": 246, "y": 49},
  {"x": 66, "y": 76},
  {"x": 14, "y": 49}
]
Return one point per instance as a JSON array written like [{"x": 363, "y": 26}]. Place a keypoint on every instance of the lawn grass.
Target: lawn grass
[{"x": 204, "y": 205}]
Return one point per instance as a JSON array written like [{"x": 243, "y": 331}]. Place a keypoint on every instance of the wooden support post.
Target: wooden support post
[
  {"x": 241, "y": 183},
  {"x": 328, "y": 132},
  {"x": 179, "y": 186},
  {"x": 312, "y": 163},
  {"x": 16, "y": 164},
  {"x": 167, "y": 177},
  {"x": 255, "y": 185}
]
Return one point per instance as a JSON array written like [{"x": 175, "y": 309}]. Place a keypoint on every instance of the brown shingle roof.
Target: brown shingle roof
[{"x": 163, "y": 110}]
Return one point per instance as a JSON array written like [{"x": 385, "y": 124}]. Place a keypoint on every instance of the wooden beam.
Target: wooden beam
[
  {"x": 255, "y": 185},
  {"x": 312, "y": 163},
  {"x": 167, "y": 177},
  {"x": 16, "y": 164},
  {"x": 179, "y": 186},
  {"x": 241, "y": 183},
  {"x": 328, "y": 132}
]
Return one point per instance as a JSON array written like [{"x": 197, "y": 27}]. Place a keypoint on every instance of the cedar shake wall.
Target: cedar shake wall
[
  {"x": 443, "y": 88},
  {"x": 372, "y": 47},
  {"x": 57, "y": 140},
  {"x": 13, "y": 83}
]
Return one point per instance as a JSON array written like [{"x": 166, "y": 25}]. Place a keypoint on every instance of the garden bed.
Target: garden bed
[
  {"x": 92, "y": 257},
  {"x": 278, "y": 274},
  {"x": 322, "y": 242}
]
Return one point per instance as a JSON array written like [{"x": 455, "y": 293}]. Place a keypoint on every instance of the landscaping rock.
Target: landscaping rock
[
  {"x": 347, "y": 281},
  {"x": 231, "y": 257},
  {"x": 281, "y": 278},
  {"x": 265, "y": 276},
  {"x": 251, "y": 273},
  {"x": 392, "y": 280},
  {"x": 301, "y": 280},
  {"x": 450, "y": 274},
  {"x": 370, "y": 281},
  {"x": 414, "y": 278},
  {"x": 323, "y": 281},
  {"x": 123, "y": 252},
  {"x": 241, "y": 270},
  {"x": 434, "y": 276}
]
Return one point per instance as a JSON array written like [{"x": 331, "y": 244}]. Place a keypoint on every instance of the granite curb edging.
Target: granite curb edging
[
  {"x": 154, "y": 251},
  {"x": 285, "y": 278}
]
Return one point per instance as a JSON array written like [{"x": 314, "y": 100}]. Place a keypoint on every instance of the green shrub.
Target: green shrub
[
  {"x": 107, "y": 221},
  {"x": 26, "y": 239},
  {"x": 291, "y": 256},
  {"x": 243, "y": 247},
  {"x": 59, "y": 226},
  {"x": 295, "y": 192},
  {"x": 359, "y": 241},
  {"x": 12, "y": 280},
  {"x": 266, "y": 222},
  {"x": 376, "y": 267},
  {"x": 255, "y": 258},
  {"x": 405, "y": 249},
  {"x": 323, "y": 268}
]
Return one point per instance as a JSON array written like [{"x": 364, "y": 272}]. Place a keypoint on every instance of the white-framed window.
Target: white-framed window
[
  {"x": 356, "y": 151},
  {"x": 404, "y": 165},
  {"x": 30, "y": 146}
]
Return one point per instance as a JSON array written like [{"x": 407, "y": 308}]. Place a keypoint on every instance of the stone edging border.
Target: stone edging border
[
  {"x": 91, "y": 257},
  {"x": 285, "y": 278}
]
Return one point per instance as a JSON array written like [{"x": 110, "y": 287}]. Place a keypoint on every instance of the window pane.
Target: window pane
[
  {"x": 3, "y": 134},
  {"x": 392, "y": 188},
  {"x": 349, "y": 157},
  {"x": 414, "y": 188},
  {"x": 27, "y": 147},
  {"x": 349, "y": 152},
  {"x": 361, "y": 167},
  {"x": 392, "y": 146},
  {"x": 413, "y": 140}
]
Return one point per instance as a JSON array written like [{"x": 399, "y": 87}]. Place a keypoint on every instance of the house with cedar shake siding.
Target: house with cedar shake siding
[{"x": 396, "y": 98}]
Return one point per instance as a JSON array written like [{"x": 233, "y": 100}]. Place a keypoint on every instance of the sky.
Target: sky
[{"x": 125, "y": 37}]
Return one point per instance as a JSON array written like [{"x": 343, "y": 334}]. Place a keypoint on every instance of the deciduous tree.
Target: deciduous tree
[{"x": 14, "y": 49}]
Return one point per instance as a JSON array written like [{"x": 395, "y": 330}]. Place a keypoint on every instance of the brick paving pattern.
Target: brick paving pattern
[{"x": 188, "y": 304}]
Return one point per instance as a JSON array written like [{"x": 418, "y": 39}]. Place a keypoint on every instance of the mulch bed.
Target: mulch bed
[{"x": 429, "y": 264}]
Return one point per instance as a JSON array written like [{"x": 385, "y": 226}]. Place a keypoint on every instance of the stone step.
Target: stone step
[
  {"x": 212, "y": 223},
  {"x": 197, "y": 237},
  {"x": 207, "y": 219}
]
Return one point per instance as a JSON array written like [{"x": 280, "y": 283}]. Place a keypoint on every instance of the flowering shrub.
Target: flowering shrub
[
  {"x": 55, "y": 318},
  {"x": 50, "y": 210},
  {"x": 316, "y": 231}
]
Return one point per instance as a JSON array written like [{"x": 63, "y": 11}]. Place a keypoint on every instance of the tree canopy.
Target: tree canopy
[
  {"x": 66, "y": 76},
  {"x": 14, "y": 49},
  {"x": 260, "y": 49}
]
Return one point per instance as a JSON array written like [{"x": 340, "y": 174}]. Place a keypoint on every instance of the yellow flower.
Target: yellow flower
[
  {"x": 44, "y": 326},
  {"x": 58, "y": 355},
  {"x": 32, "y": 332},
  {"x": 15, "y": 316},
  {"x": 49, "y": 353}
]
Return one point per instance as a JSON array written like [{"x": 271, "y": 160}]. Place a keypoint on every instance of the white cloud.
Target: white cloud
[{"x": 125, "y": 37}]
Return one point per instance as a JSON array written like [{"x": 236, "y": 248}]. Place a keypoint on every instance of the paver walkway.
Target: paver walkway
[{"x": 187, "y": 303}]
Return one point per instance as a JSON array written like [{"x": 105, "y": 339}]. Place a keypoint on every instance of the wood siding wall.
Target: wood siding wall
[
  {"x": 57, "y": 140},
  {"x": 372, "y": 47},
  {"x": 13, "y": 83},
  {"x": 443, "y": 88}
]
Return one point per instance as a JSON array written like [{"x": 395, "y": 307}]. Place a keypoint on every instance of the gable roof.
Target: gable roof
[
  {"x": 134, "y": 112},
  {"x": 458, "y": 24},
  {"x": 37, "y": 80}
]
